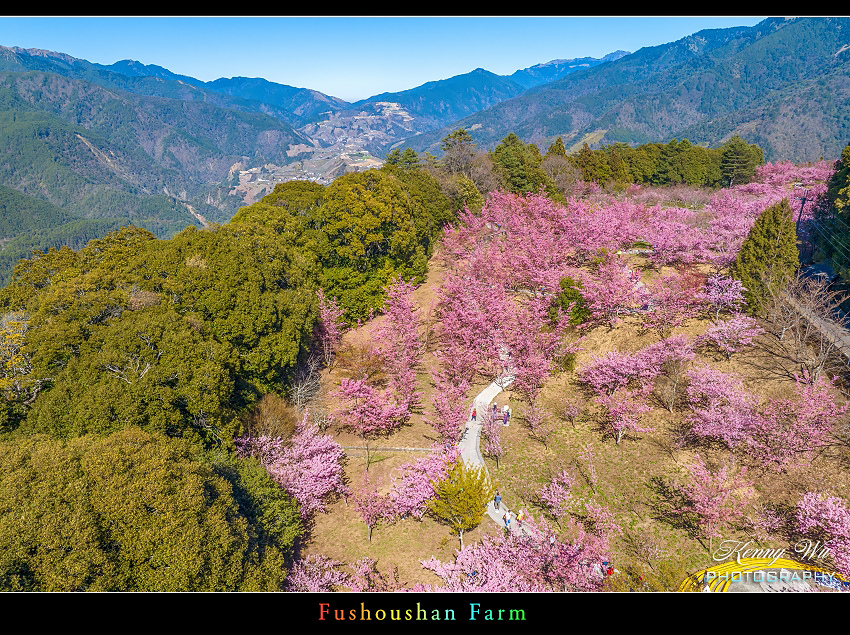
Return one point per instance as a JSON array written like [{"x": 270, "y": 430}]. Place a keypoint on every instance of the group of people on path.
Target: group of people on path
[
  {"x": 508, "y": 516},
  {"x": 506, "y": 413}
]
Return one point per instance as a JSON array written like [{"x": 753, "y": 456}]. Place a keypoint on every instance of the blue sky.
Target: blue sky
[{"x": 347, "y": 57}]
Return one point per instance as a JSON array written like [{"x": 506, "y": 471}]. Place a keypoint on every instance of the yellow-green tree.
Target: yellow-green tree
[
  {"x": 136, "y": 512},
  {"x": 462, "y": 497}
]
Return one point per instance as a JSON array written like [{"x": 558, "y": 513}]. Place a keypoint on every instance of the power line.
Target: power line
[
  {"x": 838, "y": 236},
  {"x": 831, "y": 238},
  {"x": 835, "y": 217},
  {"x": 843, "y": 250}
]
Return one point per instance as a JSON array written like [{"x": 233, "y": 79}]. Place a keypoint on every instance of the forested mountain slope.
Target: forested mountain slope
[
  {"x": 100, "y": 152},
  {"x": 715, "y": 83}
]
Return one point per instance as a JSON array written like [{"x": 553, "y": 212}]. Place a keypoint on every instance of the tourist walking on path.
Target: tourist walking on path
[
  {"x": 497, "y": 501},
  {"x": 507, "y": 519},
  {"x": 474, "y": 413}
]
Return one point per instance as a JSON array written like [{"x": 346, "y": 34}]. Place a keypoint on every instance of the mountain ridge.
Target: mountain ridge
[{"x": 659, "y": 92}]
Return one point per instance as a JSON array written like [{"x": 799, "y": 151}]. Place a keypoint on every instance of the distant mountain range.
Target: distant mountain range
[
  {"x": 143, "y": 138},
  {"x": 782, "y": 84},
  {"x": 162, "y": 150},
  {"x": 92, "y": 146}
]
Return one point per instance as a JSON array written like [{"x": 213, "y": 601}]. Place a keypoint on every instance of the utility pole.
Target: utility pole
[{"x": 804, "y": 199}]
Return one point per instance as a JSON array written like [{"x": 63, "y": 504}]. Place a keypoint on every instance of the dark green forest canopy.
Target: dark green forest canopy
[
  {"x": 136, "y": 511},
  {"x": 673, "y": 163},
  {"x": 181, "y": 336},
  {"x": 364, "y": 228},
  {"x": 176, "y": 336}
]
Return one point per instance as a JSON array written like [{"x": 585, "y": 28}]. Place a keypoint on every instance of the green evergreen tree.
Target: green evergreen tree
[
  {"x": 462, "y": 497},
  {"x": 409, "y": 159},
  {"x": 394, "y": 157},
  {"x": 469, "y": 194},
  {"x": 618, "y": 167},
  {"x": 739, "y": 161},
  {"x": 557, "y": 149},
  {"x": 769, "y": 255},
  {"x": 137, "y": 511},
  {"x": 593, "y": 164},
  {"x": 838, "y": 193},
  {"x": 519, "y": 165},
  {"x": 570, "y": 301}
]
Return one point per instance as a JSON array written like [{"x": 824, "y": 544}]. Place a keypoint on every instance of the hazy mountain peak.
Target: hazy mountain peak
[
  {"x": 42, "y": 53},
  {"x": 557, "y": 69},
  {"x": 612, "y": 57}
]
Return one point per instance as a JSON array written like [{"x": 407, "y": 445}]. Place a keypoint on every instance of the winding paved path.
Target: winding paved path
[{"x": 470, "y": 445}]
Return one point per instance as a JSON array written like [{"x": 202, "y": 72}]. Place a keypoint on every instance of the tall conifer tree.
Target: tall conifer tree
[{"x": 769, "y": 255}]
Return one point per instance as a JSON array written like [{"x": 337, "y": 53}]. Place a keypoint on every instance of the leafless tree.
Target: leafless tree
[
  {"x": 272, "y": 416},
  {"x": 483, "y": 173},
  {"x": 564, "y": 174},
  {"x": 306, "y": 383},
  {"x": 668, "y": 387},
  {"x": 810, "y": 333}
]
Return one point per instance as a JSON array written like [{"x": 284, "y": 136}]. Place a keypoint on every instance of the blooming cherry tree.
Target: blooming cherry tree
[
  {"x": 329, "y": 327},
  {"x": 367, "y": 412},
  {"x": 414, "y": 487},
  {"x": 557, "y": 495},
  {"x": 723, "y": 294},
  {"x": 716, "y": 498},
  {"x": 372, "y": 506},
  {"x": 827, "y": 518},
  {"x": 732, "y": 335},
  {"x": 399, "y": 342},
  {"x": 309, "y": 467},
  {"x": 623, "y": 410},
  {"x": 316, "y": 574}
]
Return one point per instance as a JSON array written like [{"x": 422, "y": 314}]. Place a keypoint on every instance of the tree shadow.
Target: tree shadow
[{"x": 667, "y": 504}]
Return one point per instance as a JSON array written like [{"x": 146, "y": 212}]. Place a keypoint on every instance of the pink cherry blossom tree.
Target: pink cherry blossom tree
[
  {"x": 721, "y": 407},
  {"x": 601, "y": 521},
  {"x": 329, "y": 328},
  {"x": 399, "y": 342},
  {"x": 623, "y": 410},
  {"x": 723, "y": 294},
  {"x": 316, "y": 574},
  {"x": 450, "y": 406},
  {"x": 607, "y": 373},
  {"x": 827, "y": 518},
  {"x": 788, "y": 432},
  {"x": 538, "y": 421},
  {"x": 513, "y": 562},
  {"x": 413, "y": 485},
  {"x": 491, "y": 428},
  {"x": 309, "y": 467},
  {"x": 732, "y": 335},
  {"x": 671, "y": 303},
  {"x": 557, "y": 494},
  {"x": 672, "y": 357},
  {"x": 372, "y": 506},
  {"x": 611, "y": 291},
  {"x": 716, "y": 498},
  {"x": 367, "y": 412}
]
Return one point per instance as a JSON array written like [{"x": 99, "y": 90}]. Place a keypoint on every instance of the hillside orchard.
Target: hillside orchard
[{"x": 662, "y": 398}]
